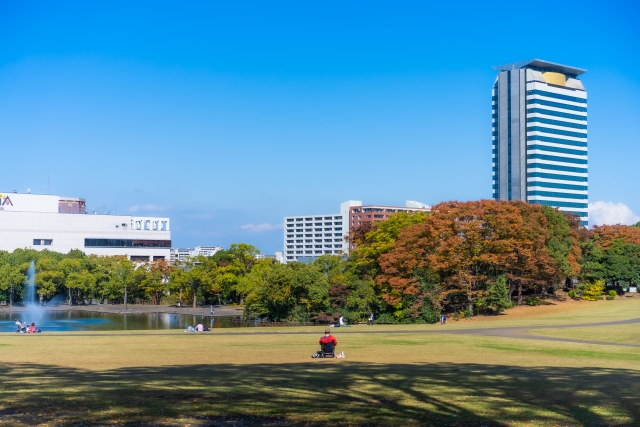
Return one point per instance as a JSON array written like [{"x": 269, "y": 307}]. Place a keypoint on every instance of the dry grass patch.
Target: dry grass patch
[{"x": 386, "y": 379}]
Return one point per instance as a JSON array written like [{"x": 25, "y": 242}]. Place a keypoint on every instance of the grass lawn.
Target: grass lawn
[
  {"x": 624, "y": 334},
  {"x": 385, "y": 379}
]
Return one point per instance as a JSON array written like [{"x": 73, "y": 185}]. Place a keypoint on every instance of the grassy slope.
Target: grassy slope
[{"x": 409, "y": 379}]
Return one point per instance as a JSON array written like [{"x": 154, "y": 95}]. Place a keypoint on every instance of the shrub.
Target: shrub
[
  {"x": 571, "y": 294},
  {"x": 386, "y": 318},
  {"x": 429, "y": 314},
  {"x": 613, "y": 294},
  {"x": 593, "y": 291},
  {"x": 610, "y": 298}
]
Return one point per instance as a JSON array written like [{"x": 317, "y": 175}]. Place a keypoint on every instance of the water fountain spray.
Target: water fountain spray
[{"x": 33, "y": 311}]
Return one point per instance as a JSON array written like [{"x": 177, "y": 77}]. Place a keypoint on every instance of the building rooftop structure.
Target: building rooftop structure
[{"x": 541, "y": 65}]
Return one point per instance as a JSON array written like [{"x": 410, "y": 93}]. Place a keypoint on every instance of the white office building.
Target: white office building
[
  {"x": 61, "y": 224},
  {"x": 310, "y": 236},
  {"x": 539, "y": 127}
]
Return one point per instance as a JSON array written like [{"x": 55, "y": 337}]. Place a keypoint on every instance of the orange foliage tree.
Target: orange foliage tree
[{"x": 462, "y": 246}]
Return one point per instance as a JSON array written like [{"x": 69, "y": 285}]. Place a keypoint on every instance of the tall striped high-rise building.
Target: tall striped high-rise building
[{"x": 539, "y": 128}]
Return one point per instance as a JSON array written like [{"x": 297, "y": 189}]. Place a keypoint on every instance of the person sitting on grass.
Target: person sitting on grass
[
  {"x": 328, "y": 343},
  {"x": 199, "y": 327}
]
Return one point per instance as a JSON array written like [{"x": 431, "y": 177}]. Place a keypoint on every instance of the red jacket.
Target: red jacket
[{"x": 328, "y": 339}]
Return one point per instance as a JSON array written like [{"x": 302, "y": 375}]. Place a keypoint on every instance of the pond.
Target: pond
[{"x": 76, "y": 320}]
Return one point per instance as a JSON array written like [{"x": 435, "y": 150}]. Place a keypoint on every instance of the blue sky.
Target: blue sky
[{"x": 227, "y": 116}]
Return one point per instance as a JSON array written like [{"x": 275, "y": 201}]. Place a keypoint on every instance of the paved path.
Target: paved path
[{"x": 521, "y": 332}]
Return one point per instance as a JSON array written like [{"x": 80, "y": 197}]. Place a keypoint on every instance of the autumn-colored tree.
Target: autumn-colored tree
[
  {"x": 450, "y": 244},
  {"x": 604, "y": 235},
  {"x": 462, "y": 246}
]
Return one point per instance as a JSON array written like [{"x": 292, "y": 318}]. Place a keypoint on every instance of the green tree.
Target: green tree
[
  {"x": 121, "y": 279},
  {"x": 497, "y": 299},
  {"x": 80, "y": 281},
  {"x": 621, "y": 262},
  {"x": 70, "y": 266},
  {"x": 10, "y": 277},
  {"x": 48, "y": 278},
  {"x": 195, "y": 275}
]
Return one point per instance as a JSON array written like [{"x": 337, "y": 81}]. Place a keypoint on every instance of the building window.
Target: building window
[
  {"x": 45, "y": 242},
  {"x": 556, "y": 95},
  {"x": 126, "y": 243}
]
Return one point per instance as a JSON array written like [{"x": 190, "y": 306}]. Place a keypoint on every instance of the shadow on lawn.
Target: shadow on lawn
[{"x": 319, "y": 394}]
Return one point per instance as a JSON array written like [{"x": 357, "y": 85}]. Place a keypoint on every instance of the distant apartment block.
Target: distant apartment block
[
  {"x": 183, "y": 254},
  {"x": 308, "y": 237}
]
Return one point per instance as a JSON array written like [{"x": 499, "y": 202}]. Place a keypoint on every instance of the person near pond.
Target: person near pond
[
  {"x": 443, "y": 319},
  {"x": 190, "y": 328},
  {"x": 32, "y": 328},
  {"x": 211, "y": 310},
  {"x": 341, "y": 321},
  {"x": 328, "y": 343},
  {"x": 199, "y": 327},
  {"x": 20, "y": 327},
  {"x": 371, "y": 319}
]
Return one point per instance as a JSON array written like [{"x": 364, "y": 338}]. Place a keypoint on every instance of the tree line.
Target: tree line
[{"x": 462, "y": 257}]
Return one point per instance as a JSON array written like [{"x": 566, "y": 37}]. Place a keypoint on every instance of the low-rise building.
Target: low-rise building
[{"x": 61, "y": 224}]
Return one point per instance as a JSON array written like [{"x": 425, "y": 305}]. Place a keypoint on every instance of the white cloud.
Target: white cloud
[
  {"x": 137, "y": 208},
  {"x": 259, "y": 228},
  {"x": 611, "y": 213}
]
